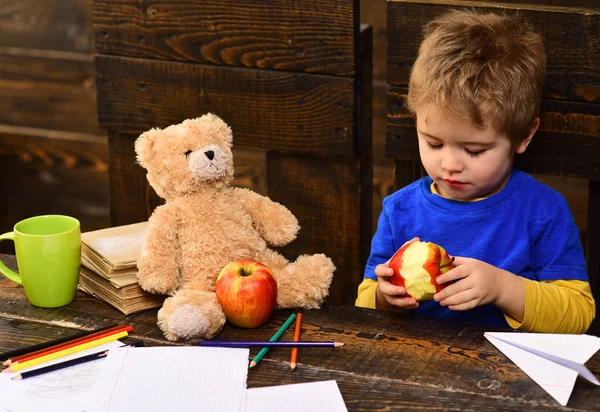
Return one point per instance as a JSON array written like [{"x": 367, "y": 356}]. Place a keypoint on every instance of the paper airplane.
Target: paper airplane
[{"x": 553, "y": 361}]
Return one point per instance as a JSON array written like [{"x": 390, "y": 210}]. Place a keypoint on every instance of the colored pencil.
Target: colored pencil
[
  {"x": 21, "y": 351},
  {"x": 294, "y": 356},
  {"x": 66, "y": 364},
  {"x": 275, "y": 337},
  {"x": 87, "y": 335},
  {"x": 69, "y": 351},
  {"x": 66, "y": 345},
  {"x": 269, "y": 344}
]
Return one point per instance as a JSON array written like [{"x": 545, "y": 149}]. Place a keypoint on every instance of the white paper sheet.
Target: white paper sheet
[
  {"x": 322, "y": 396},
  {"x": 173, "y": 379},
  {"x": 65, "y": 390},
  {"x": 553, "y": 361}
]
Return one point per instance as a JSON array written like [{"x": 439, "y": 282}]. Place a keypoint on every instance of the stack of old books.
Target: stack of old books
[{"x": 109, "y": 267}]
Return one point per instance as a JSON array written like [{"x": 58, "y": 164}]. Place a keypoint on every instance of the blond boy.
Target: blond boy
[{"x": 475, "y": 91}]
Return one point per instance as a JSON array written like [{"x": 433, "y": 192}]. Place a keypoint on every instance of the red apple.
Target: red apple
[
  {"x": 247, "y": 292},
  {"x": 416, "y": 266}
]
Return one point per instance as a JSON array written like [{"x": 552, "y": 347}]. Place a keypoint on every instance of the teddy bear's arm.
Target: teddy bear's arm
[
  {"x": 158, "y": 269},
  {"x": 275, "y": 223}
]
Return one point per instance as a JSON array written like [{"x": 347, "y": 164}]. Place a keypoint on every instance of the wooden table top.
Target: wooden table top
[{"x": 390, "y": 361}]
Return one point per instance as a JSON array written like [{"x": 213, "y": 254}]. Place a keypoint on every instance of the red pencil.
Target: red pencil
[
  {"x": 294, "y": 358},
  {"x": 24, "y": 353},
  {"x": 69, "y": 344}
]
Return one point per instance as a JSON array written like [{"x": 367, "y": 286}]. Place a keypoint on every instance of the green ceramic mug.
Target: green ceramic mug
[{"x": 48, "y": 252}]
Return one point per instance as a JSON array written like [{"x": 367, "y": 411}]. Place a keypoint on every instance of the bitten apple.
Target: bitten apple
[
  {"x": 416, "y": 266},
  {"x": 247, "y": 292}
]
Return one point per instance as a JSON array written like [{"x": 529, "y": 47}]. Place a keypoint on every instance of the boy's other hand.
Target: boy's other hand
[
  {"x": 390, "y": 296},
  {"x": 477, "y": 283}
]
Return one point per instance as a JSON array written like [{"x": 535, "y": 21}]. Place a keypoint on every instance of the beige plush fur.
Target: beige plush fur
[{"x": 206, "y": 224}]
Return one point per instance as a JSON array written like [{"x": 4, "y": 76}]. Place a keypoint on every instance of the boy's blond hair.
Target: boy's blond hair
[{"x": 477, "y": 67}]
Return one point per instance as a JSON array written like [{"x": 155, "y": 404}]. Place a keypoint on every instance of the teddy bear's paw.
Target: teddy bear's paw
[
  {"x": 186, "y": 321},
  {"x": 305, "y": 283},
  {"x": 191, "y": 314}
]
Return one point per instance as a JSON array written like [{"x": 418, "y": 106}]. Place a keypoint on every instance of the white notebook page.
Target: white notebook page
[
  {"x": 173, "y": 379},
  {"x": 301, "y": 397}
]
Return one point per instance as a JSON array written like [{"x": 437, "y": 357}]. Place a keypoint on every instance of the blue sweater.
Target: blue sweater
[{"x": 527, "y": 228}]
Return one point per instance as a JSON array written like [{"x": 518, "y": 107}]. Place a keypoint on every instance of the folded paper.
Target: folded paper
[{"x": 553, "y": 361}]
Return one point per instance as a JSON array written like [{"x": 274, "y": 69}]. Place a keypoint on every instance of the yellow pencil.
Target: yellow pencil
[{"x": 65, "y": 352}]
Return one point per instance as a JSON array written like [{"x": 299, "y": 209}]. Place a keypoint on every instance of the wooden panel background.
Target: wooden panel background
[
  {"x": 570, "y": 110},
  {"x": 48, "y": 90},
  {"x": 308, "y": 36},
  {"x": 53, "y": 155},
  {"x": 286, "y": 76},
  {"x": 41, "y": 32},
  {"x": 266, "y": 109},
  {"x": 56, "y": 25}
]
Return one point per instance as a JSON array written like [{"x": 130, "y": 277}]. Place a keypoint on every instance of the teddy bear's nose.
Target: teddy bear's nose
[{"x": 210, "y": 154}]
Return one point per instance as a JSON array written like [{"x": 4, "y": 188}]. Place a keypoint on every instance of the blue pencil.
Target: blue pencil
[{"x": 252, "y": 344}]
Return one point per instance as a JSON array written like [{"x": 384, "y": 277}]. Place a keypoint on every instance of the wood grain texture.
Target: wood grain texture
[
  {"x": 131, "y": 198},
  {"x": 571, "y": 38},
  {"x": 64, "y": 25},
  {"x": 374, "y": 13},
  {"x": 390, "y": 361},
  {"x": 266, "y": 109},
  {"x": 361, "y": 392},
  {"x": 311, "y": 36},
  {"x": 324, "y": 194},
  {"x": 567, "y": 143},
  {"x": 364, "y": 143},
  {"x": 52, "y": 153},
  {"x": 406, "y": 172},
  {"x": 45, "y": 171},
  {"x": 48, "y": 90}
]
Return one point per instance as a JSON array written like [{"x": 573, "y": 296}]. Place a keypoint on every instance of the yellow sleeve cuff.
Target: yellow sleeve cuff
[
  {"x": 367, "y": 294},
  {"x": 557, "y": 306}
]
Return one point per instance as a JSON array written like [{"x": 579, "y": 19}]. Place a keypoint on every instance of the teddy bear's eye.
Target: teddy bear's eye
[{"x": 189, "y": 152}]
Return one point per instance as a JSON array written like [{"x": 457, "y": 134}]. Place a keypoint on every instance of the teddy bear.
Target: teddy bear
[{"x": 205, "y": 224}]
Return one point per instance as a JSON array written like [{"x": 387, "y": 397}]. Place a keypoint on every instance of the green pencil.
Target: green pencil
[{"x": 275, "y": 337}]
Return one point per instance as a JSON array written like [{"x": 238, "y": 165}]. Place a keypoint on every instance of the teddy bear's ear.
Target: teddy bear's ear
[
  {"x": 145, "y": 146},
  {"x": 220, "y": 127}
]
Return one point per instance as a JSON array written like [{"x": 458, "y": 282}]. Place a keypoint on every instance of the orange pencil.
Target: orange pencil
[
  {"x": 65, "y": 352},
  {"x": 12, "y": 354},
  {"x": 294, "y": 358},
  {"x": 70, "y": 344},
  {"x": 62, "y": 342},
  {"x": 62, "y": 345}
]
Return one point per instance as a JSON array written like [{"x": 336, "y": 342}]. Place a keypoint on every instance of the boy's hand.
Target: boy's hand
[
  {"x": 479, "y": 283},
  {"x": 390, "y": 296}
]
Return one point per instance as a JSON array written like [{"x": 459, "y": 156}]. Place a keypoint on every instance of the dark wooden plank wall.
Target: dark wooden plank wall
[
  {"x": 52, "y": 153},
  {"x": 35, "y": 32},
  {"x": 568, "y": 143},
  {"x": 287, "y": 77}
]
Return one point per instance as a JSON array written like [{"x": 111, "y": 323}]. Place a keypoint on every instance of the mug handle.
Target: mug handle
[{"x": 14, "y": 276}]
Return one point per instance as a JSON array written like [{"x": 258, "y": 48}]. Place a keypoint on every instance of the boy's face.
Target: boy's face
[{"x": 465, "y": 162}]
